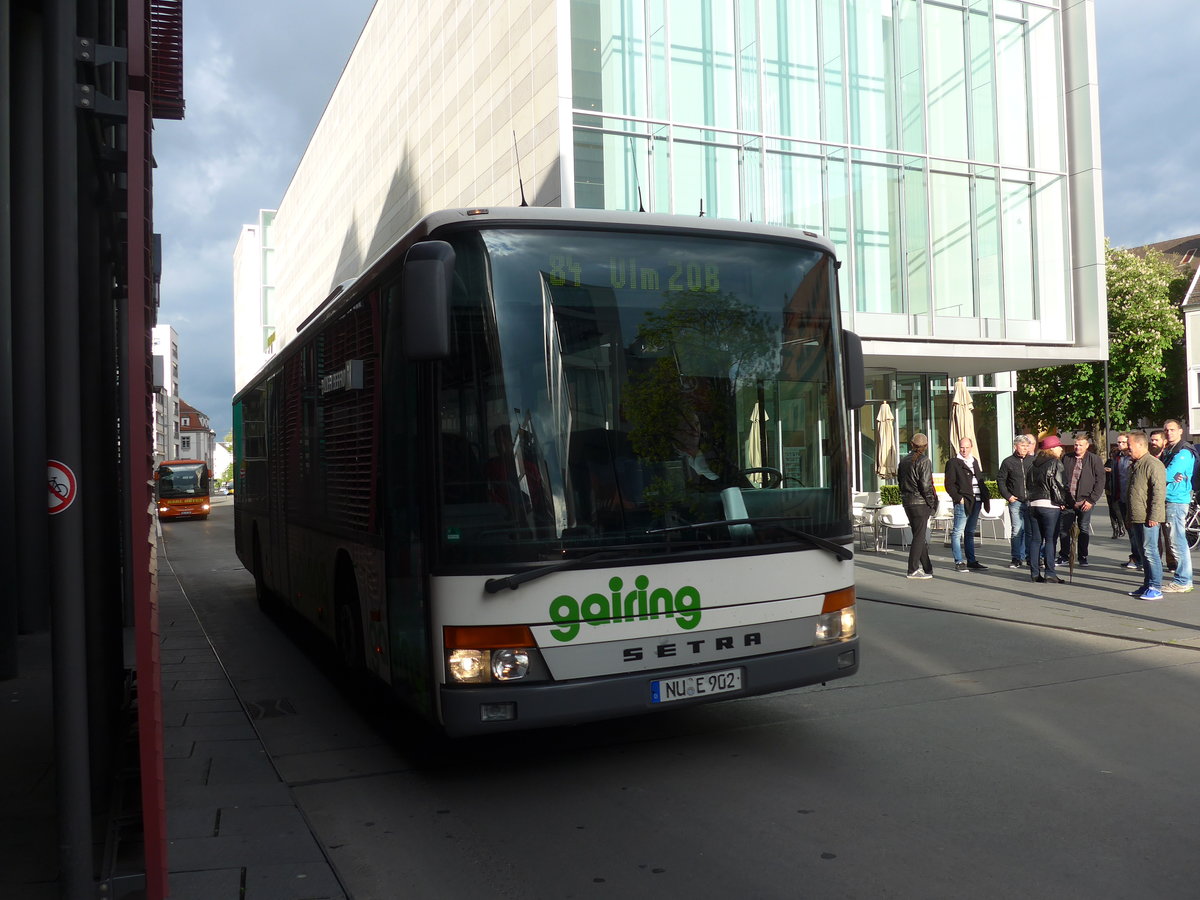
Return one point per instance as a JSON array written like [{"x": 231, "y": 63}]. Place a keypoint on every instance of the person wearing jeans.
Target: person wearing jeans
[
  {"x": 1084, "y": 474},
  {"x": 1046, "y": 493},
  {"x": 970, "y": 495},
  {"x": 1147, "y": 507},
  {"x": 1180, "y": 461},
  {"x": 1011, "y": 483}
]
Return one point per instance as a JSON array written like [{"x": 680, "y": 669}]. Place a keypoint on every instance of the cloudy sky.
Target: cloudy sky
[{"x": 257, "y": 76}]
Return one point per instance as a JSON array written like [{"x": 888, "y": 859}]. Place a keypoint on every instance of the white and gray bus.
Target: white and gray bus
[{"x": 544, "y": 466}]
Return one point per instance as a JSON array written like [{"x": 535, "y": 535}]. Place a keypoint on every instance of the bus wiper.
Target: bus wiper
[
  {"x": 842, "y": 553},
  {"x": 512, "y": 582}
]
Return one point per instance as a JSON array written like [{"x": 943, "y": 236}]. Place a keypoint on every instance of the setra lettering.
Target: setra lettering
[{"x": 668, "y": 649}]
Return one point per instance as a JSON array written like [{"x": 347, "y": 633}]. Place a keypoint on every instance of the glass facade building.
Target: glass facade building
[
  {"x": 949, "y": 148},
  {"x": 927, "y": 138}
]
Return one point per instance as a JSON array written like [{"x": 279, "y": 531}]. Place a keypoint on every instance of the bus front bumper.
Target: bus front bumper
[{"x": 475, "y": 710}]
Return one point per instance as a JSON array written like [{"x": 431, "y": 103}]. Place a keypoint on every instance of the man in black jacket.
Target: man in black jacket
[
  {"x": 1011, "y": 484},
  {"x": 966, "y": 487},
  {"x": 1084, "y": 475},
  {"x": 915, "y": 477}
]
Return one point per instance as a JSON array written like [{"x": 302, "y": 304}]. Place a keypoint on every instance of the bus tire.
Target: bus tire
[
  {"x": 266, "y": 602},
  {"x": 347, "y": 618}
]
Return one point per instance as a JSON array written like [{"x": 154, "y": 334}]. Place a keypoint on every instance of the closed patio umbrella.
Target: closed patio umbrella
[
  {"x": 886, "y": 456},
  {"x": 754, "y": 456},
  {"x": 962, "y": 417}
]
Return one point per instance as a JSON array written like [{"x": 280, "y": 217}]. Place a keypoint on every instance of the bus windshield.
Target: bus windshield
[
  {"x": 176, "y": 480},
  {"x": 612, "y": 389}
]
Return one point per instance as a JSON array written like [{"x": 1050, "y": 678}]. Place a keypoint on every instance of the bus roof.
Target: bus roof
[
  {"x": 554, "y": 216},
  {"x": 351, "y": 290}
]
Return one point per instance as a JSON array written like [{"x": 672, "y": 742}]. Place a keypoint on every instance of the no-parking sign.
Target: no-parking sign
[{"x": 63, "y": 486}]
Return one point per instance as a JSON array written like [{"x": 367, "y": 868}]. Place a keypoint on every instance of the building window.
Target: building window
[
  {"x": 187, "y": 420},
  {"x": 925, "y": 139},
  {"x": 185, "y": 442}
]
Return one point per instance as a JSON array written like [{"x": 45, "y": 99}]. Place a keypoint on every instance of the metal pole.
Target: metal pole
[
  {"x": 28, "y": 356},
  {"x": 64, "y": 444},
  {"x": 8, "y": 605},
  {"x": 1107, "y": 418}
]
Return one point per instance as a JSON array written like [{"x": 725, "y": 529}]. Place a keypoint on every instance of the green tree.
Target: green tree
[{"x": 1145, "y": 333}]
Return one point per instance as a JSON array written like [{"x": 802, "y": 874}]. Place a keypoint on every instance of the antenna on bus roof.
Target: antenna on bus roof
[{"x": 520, "y": 182}]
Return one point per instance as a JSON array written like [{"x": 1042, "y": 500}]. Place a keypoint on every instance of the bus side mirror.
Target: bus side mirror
[
  {"x": 852, "y": 366},
  {"x": 426, "y": 285}
]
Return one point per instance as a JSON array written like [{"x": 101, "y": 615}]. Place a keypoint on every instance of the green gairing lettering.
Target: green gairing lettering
[{"x": 639, "y": 604}]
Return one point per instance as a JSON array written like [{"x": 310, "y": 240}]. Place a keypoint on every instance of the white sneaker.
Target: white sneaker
[{"x": 919, "y": 574}]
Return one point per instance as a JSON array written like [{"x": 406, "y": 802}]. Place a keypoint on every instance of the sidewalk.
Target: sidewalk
[
  {"x": 234, "y": 831},
  {"x": 1093, "y": 600}
]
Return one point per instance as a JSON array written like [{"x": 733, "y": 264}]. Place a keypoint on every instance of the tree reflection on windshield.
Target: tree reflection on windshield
[{"x": 684, "y": 407}]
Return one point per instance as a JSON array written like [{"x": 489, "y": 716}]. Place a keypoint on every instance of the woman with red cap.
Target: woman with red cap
[{"x": 1046, "y": 490}]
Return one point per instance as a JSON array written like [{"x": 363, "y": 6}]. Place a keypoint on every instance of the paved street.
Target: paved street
[{"x": 973, "y": 755}]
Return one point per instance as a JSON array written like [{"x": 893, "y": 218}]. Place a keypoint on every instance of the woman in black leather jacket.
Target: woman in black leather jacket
[{"x": 1046, "y": 490}]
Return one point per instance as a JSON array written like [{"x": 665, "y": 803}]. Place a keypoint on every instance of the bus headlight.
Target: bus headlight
[
  {"x": 509, "y": 665},
  {"x": 480, "y": 654},
  {"x": 482, "y": 666},
  {"x": 839, "y": 625},
  {"x": 469, "y": 666}
]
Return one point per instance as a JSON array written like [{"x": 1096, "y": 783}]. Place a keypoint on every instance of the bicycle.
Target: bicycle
[{"x": 1191, "y": 525}]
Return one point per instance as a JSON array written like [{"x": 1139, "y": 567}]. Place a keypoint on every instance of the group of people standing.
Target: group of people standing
[{"x": 1050, "y": 492}]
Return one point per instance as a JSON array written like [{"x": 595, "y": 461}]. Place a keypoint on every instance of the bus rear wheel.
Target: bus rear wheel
[
  {"x": 266, "y": 602},
  {"x": 347, "y": 619}
]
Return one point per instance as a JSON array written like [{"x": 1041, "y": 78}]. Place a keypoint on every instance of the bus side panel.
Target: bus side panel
[
  {"x": 274, "y": 541},
  {"x": 313, "y": 564}
]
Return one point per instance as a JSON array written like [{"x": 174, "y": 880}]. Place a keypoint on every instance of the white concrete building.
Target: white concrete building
[
  {"x": 165, "y": 349},
  {"x": 949, "y": 148},
  {"x": 253, "y": 290}
]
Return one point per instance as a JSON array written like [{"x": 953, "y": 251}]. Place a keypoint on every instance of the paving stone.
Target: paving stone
[
  {"x": 241, "y": 770},
  {"x": 216, "y": 796},
  {"x": 261, "y": 820},
  {"x": 191, "y": 823},
  {"x": 206, "y": 884},
  {"x": 205, "y": 689},
  {"x": 243, "y": 850},
  {"x": 292, "y": 882},
  {"x": 234, "y": 731}
]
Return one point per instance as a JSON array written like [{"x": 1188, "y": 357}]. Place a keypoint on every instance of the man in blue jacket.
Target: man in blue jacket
[{"x": 1180, "y": 459}]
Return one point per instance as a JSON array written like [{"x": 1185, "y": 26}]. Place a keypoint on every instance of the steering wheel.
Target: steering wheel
[{"x": 771, "y": 478}]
